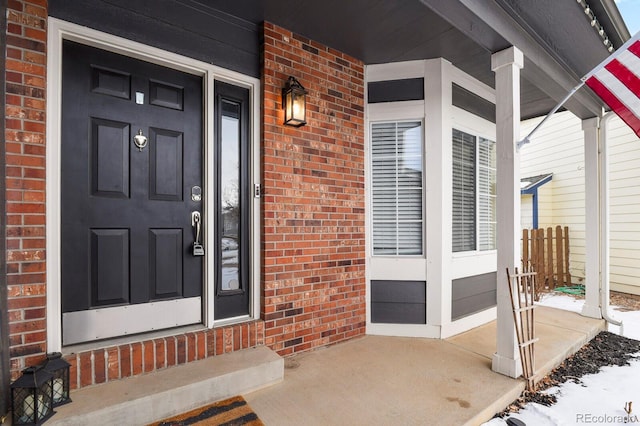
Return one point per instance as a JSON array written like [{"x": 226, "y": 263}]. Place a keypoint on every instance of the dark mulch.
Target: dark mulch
[
  {"x": 605, "y": 349},
  {"x": 624, "y": 301}
]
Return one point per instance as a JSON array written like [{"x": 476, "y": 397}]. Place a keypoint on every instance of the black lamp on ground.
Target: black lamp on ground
[
  {"x": 32, "y": 397},
  {"x": 294, "y": 103},
  {"x": 59, "y": 367}
]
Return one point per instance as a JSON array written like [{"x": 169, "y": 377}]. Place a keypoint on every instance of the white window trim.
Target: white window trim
[{"x": 58, "y": 31}]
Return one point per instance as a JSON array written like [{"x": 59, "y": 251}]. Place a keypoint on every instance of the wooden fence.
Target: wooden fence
[{"x": 548, "y": 255}]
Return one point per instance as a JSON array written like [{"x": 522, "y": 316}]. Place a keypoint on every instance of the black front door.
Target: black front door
[{"x": 131, "y": 161}]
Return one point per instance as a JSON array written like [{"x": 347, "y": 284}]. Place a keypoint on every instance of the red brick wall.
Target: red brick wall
[
  {"x": 116, "y": 362},
  {"x": 25, "y": 189},
  {"x": 313, "y": 198}
]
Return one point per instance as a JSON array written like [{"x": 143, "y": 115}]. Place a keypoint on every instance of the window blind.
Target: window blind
[
  {"x": 397, "y": 188},
  {"x": 464, "y": 191},
  {"x": 487, "y": 194},
  {"x": 474, "y": 192}
]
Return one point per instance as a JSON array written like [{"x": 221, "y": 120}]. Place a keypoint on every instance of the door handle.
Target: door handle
[{"x": 196, "y": 219}]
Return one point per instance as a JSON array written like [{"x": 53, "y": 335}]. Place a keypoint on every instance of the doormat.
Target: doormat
[{"x": 230, "y": 412}]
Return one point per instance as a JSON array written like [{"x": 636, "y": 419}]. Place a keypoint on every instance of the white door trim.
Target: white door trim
[{"x": 58, "y": 31}]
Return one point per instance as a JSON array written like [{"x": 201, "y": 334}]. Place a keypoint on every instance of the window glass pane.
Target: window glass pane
[
  {"x": 474, "y": 192},
  {"x": 385, "y": 236},
  {"x": 397, "y": 188},
  {"x": 487, "y": 194},
  {"x": 230, "y": 194},
  {"x": 464, "y": 191},
  {"x": 410, "y": 233}
]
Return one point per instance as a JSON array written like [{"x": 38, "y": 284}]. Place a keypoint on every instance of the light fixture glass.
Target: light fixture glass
[{"x": 294, "y": 103}]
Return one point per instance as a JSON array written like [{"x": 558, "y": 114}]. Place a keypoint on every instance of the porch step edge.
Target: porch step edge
[
  {"x": 164, "y": 393},
  {"x": 498, "y": 405}
]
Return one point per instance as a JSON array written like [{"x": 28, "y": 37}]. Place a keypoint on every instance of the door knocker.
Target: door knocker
[{"x": 140, "y": 140}]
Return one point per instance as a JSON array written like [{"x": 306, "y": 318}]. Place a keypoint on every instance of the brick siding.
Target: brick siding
[
  {"x": 102, "y": 365},
  {"x": 25, "y": 106},
  {"x": 313, "y": 199}
]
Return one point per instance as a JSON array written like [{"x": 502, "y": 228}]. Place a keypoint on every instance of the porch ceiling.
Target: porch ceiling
[{"x": 558, "y": 42}]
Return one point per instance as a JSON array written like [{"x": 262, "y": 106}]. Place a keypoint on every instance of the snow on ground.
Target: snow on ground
[
  {"x": 631, "y": 319},
  {"x": 599, "y": 399}
]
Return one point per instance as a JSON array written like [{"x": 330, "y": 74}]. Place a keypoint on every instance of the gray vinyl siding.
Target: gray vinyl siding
[
  {"x": 187, "y": 27},
  {"x": 410, "y": 89},
  {"x": 470, "y": 102},
  {"x": 472, "y": 294},
  {"x": 398, "y": 302}
]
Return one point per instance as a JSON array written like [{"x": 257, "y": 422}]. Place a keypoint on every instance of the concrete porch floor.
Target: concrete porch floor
[
  {"x": 369, "y": 380},
  {"x": 410, "y": 381}
]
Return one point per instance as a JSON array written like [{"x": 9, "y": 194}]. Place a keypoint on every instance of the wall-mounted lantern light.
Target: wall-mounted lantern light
[
  {"x": 294, "y": 103},
  {"x": 59, "y": 367},
  {"x": 32, "y": 397}
]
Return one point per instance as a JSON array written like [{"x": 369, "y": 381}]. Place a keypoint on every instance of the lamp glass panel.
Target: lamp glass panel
[{"x": 298, "y": 106}]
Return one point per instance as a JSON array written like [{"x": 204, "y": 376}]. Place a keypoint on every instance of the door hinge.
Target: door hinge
[{"x": 257, "y": 190}]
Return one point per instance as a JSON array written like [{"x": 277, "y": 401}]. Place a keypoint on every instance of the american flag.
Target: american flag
[{"x": 617, "y": 82}]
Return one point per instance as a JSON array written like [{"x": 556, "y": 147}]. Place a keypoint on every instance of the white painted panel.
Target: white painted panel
[
  {"x": 395, "y": 71},
  {"x": 404, "y": 330},
  {"x": 473, "y": 263},
  {"x": 398, "y": 268},
  {"x": 469, "y": 322}
]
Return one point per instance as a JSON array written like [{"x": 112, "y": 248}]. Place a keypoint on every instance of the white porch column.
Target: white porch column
[
  {"x": 507, "y": 64},
  {"x": 591, "y": 306}
]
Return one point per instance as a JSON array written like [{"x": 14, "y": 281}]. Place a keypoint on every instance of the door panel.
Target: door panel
[
  {"x": 110, "y": 82},
  {"x": 109, "y": 266},
  {"x": 166, "y": 262},
  {"x": 166, "y": 172},
  {"x": 166, "y": 95},
  {"x": 109, "y": 158},
  {"x": 126, "y": 211}
]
